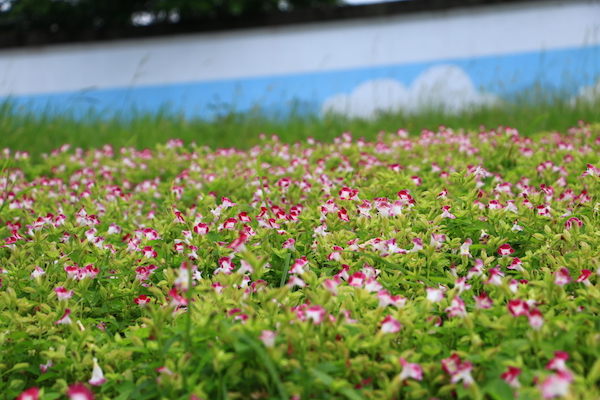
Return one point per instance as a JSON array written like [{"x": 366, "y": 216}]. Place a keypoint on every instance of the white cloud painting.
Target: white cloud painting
[
  {"x": 588, "y": 94},
  {"x": 446, "y": 87}
]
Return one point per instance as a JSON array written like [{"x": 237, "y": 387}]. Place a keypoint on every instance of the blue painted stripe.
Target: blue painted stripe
[{"x": 561, "y": 72}]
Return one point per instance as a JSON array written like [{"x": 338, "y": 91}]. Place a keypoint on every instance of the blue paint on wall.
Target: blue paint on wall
[{"x": 561, "y": 72}]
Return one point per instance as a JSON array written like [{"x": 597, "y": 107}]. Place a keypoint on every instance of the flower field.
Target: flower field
[{"x": 447, "y": 265}]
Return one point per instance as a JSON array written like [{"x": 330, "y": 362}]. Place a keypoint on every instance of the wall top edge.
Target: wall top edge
[{"x": 22, "y": 39}]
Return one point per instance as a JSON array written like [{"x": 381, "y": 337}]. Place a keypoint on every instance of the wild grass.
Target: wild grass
[{"x": 40, "y": 133}]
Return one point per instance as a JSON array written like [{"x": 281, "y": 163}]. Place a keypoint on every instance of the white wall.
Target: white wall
[{"x": 187, "y": 71}]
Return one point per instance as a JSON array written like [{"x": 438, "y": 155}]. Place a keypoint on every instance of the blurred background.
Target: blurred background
[{"x": 314, "y": 60}]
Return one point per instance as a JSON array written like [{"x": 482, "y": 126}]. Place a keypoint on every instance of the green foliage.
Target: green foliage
[
  {"x": 232, "y": 312},
  {"x": 41, "y": 133},
  {"x": 72, "y": 15}
]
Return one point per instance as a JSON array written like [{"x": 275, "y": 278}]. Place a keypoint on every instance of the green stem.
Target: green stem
[
  {"x": 188, "y": 321},
  {"x": 286, "y": 268}
]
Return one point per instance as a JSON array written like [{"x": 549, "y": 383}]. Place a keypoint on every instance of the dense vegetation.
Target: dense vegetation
[
  {"x": 443, "y": 264},
  {"x": 68, "y": 14}
]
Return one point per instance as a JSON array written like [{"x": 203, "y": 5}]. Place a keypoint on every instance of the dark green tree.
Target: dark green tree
[{"x": 80, "y": 14}]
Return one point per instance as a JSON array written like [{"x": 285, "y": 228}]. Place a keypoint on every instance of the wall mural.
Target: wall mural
[
  {"x": 445, "y": 87},
  {"x": 358, "y": 68}
]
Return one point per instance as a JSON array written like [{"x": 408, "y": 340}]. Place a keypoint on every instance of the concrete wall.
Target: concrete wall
[{"x": 454, "y": 59}]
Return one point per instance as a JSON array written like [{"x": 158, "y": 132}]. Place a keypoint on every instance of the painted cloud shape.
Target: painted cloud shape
[
  {"x": 446, "y": 87},
  {"x": 588, "y": 94}
]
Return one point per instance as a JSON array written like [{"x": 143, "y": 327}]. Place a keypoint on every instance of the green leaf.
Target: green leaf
[
  {"x": 594, "y": 374},
  {"x": 330, "y": 382},
  {"x": 498, "y": 389}
]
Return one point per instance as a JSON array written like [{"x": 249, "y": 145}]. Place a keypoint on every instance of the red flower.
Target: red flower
[
  {"x": 142, "y": 300},
  {"x": 512, "y": 377},
  {"x": 78, "y": 391},
  {"x": 505, "y": 250},
  {"x": 32, "y": 393},
  {"x": 390, "y": 325},
  {"x": 518, "y": 307}
]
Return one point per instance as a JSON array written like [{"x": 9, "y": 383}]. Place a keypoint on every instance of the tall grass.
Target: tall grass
[{"x": 40, "y": 133}]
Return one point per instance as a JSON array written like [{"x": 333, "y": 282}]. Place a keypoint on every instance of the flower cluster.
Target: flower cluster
[{"x": 441, "y": 265}]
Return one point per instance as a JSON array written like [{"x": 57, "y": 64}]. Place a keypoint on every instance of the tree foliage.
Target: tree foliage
[{"x": 81, "y": 14}]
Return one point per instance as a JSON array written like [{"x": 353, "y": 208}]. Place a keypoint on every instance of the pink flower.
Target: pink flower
[
  {"x": 348, "y": 194},
  {"x": 457, "y": 308},
  {"x": 37, "y": 272},
  {"x": 149, "y": 252},
  {"x": 62, "y": 293},
  {"x": 201, "y": 228},
  {"x": 561, "y": 277},
  {"x": 177, "y": 300},
  {"x": 289, "y": 244},
  {"x": 505, "y": 250},
  {"x": 332, "y": 284},
  {"x": 464, "y": 248},
  {"x": 245, "y": 268},
  {"x": 417, "y": 245},
  {"x": 558, "y": 363},
  {"x": 385, "y": 299},
  {"x": 239, "y": 244},
  {"x": 410, "y": 370},
  {"x": 230, "y": 223},
  {"x": 316, "y": 313},
  {"x": 218, "y": 286},
  {"x": 151, "y": 234},
  {"x": 268, "y": 338},
  {"x": 343, "y": 215},
  {"x": 142, "y": 300},
  {"x": 544, "y": 210},
  {"x": 512, "y": 377},
  {"x": 458, "y": 370},
  {"x": 97, "y": 378},
  {"x": 591, "y": 171},
  {"x": 32, "y": 393},
  {"x": 516, "y": 227},
  {"x": 390, "y": 325},
  {"x": 89, "y": 271},
  {"x": 483, "y": 301},
  {"x": 113, "y": 228},
  {"x": 518, "y": 307},
  {"x": 300, "y": 266},
  {"x": 572, "y": 222},
  {"x": 225, "y": 266},
  {"x": 495, "y": 205},
  {"x": 435, "y": 295},
  {"x": 513, "y": 285},
  {"x": 495, "y": 277},
  {"x": 65, "y": 320},
  {"x": 437, "y": 240},
  {"x": 78, "y": 391},
  {"x": 463, "y": 374},
  {"x": 226, "y": 202},
  {"x": 357, "y": 279},
  {"x": 296, "y": 281},
  {"x": 536, "y": 320},
  {"x": 450, "y": 364},
  {"x": 446, "y": 213},
  {"x": 556, "y": 385},
  {"x": 477, "y": 269},
  {"x": 584, "y": 277},
  {"x": 516, "y": 264},
  {"x": 371, "y": 285},
  {"x": 44, "y": 367},
  {"x": 238, "y": 315}
]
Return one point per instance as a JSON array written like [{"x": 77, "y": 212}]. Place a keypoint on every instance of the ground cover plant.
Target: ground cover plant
[{"x": 448, "y": 264}]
